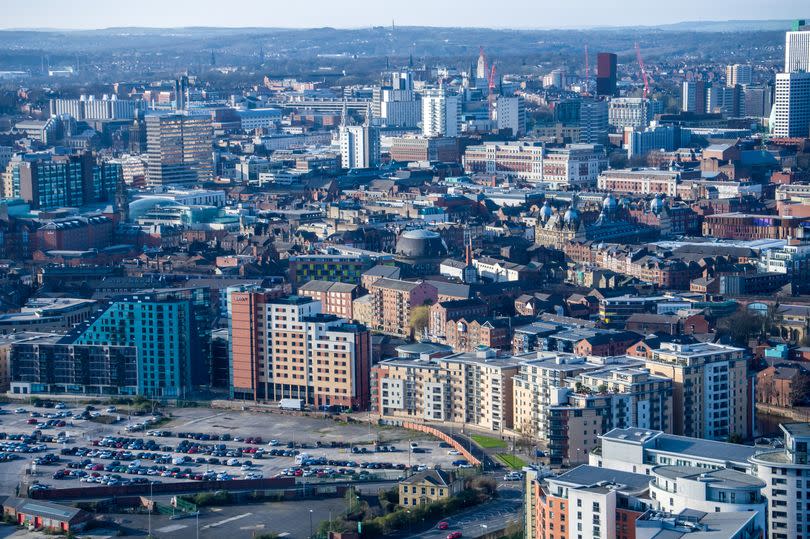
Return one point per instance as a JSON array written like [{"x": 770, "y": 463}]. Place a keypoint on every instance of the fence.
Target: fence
[{"x": 444, "y": 437}]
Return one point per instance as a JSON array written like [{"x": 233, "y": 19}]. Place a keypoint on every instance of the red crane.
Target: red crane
[
  {"x": 492, "y": 92},
  {"x": 643, "y": 71}
]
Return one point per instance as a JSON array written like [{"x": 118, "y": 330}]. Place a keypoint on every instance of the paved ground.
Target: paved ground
[
  {"x": 282, "y": 427},
  {"x": 289, "y": 519}
]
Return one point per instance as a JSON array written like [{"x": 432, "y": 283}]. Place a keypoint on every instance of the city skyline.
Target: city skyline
[{"x": 360, "y": 13}]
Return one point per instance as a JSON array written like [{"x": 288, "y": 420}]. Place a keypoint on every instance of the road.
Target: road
[{"x": 478, "y": 521}]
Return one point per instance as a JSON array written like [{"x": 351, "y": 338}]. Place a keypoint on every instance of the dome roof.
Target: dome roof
[
  {"x": 657, "y": 204},
  {"x": 545, "y": 211},
  {"x": 571, "y": 214},
  {"x": 421, "y": 244}
]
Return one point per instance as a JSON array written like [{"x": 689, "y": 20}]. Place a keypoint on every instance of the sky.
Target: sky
[{"x": 88, "y": 14}]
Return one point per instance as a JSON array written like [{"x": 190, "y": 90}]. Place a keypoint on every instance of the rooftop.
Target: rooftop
[{"x": 594, "y": 476}]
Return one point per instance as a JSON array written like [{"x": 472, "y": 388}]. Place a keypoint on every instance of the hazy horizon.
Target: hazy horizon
[{"x": 353, "y": 14}]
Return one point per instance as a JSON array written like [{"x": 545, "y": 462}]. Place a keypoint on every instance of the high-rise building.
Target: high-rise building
[
  {"x": 785, "y": 473},
  {"x": 711, "y": 387},
  {"x": 181, "y": 93},
  {"x": 797, "y": 47},
  {"x": 510, "y": 113},
  {"x": 606, "y": 74},
  {"x": 742, "y": 74},
  {"x": 441, "y": 113},
  {"x": 481, "y": 67},
  {"x": 164, "y": 328},
  {"x": 758, "y": 101},
  {"x": 633, "y": 112},
  {"x": 64, "y": 181},
  {"x": 397, "y": 104},
  {"x": 179, "y": 149},
  {"x": 359, "y": 144},
  {"x": 694, "y": 96},
  {"x": 593, "y": 121},
  {"x": 570, "y": 401},
  {"x": 286, "y": 348},
  {"x": 791, "y": 111},
  {"x": 725, "y": 100},
  {"x": 470, "y": 387}
]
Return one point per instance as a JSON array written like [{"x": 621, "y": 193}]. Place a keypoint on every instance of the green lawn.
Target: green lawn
[
  {"x": 488, "y": 442},
  {"x": 516, "y": 463}
]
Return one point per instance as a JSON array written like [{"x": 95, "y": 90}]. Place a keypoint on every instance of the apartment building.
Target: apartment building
[
  {"x": 335, "y": 298},
  {"x": 639, "y": 450},
  {"x": 677, "y": 488},
  {"x": 445, "y": 311},
  {"x": 287, "y": 348},
  {"x": 43, "y": 364},
  {"x": 468, "y": 388},
  {"x": 785, "y": 473},
  {"x": 586, "y": 501},
  {"x": 332, "y": 267},
  {"x": 569, "y": 402},
  {"x": 705, "y": 475},
  {"x": 393, "y": 302},
  {"x": 711, "y": 386},
  {"x": 170, "y": 331}
]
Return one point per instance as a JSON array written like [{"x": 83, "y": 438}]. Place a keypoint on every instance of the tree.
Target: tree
[
  {"x": 419, "y": 319},
  {"x": 800, "y": 390},
  {"x": 740, "y": 326}
]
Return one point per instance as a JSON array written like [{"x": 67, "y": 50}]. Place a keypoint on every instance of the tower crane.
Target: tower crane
[{"x": 643, "y": 71}]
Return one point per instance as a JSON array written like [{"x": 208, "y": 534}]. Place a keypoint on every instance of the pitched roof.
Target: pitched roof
[
  {"x": 439, "y": 478},
  {"x": 392, "y": 272}
]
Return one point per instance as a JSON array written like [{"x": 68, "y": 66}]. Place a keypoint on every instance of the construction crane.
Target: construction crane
[
  {"x": 643, "y": 71},
  {"x": 492, "y": 92},
  {"x": 587, "y": 71}
]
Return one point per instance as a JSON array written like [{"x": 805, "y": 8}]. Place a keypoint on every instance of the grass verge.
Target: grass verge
[
  {"x": 488, "y": 442},
  {"x": 514, "y": 462}
]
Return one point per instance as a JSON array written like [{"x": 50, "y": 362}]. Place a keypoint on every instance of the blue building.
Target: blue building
[{"x": 165, "y": 328}]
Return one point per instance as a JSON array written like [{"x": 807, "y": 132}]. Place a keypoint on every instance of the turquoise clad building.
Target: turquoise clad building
[{"x": 163, "y": 331}]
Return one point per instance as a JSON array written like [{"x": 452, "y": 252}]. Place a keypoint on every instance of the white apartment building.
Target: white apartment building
[
  {"x": 441, "y": 113},
  {"x": 786, "y": 473},
  {"x": 510, "y": 113},
  {"x": 399, "y": 108},
  {"x": 742, "y": 74},
  {"x": 791, "y": 111},
  {"x": 470, "y": 388},
  {"x": 676, "y": 488},
  {"x": 359, "y": 146},
  {"x": 634, "y": 112},
  {"x": 703, "y": 474}
]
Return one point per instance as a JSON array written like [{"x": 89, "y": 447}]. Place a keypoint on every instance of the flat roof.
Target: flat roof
[
  {"x": 671, "y": 443},
  {"x": 594, "y": 476}
]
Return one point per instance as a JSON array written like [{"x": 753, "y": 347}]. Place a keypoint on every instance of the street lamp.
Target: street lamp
[
  {"x": 151, "y": 503},
  {"x": 310, "y": 523}
]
